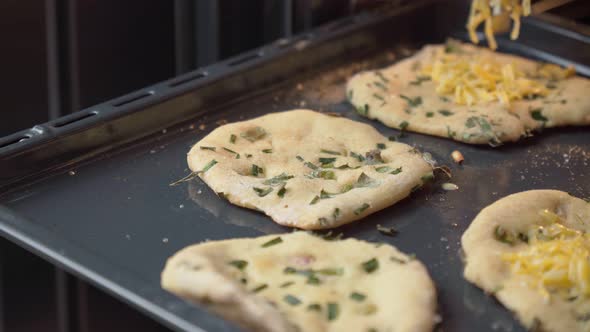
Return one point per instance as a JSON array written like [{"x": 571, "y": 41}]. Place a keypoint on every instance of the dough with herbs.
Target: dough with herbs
[
  {"x": 471, "y": 94},
  {"x": 301, "y": 282},
  {"x": 307, "y": 170},
  {"x": 531, "y": 250}
]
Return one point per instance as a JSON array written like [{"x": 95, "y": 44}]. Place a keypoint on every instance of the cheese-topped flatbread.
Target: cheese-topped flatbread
[
  {"x": 531, "y": 250},
  {"x": 471, "y": 94},
  {"x": 301, "y": 282},
  {"x": 308, "y": 170}
]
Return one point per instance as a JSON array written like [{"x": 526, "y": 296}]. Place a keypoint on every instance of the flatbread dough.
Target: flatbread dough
[
  {"x": 305, "y": 283},
  {"x": 272, "y": 164},
  {"x": 486, "y": 268},
  {"x": 378, "y": 95}
]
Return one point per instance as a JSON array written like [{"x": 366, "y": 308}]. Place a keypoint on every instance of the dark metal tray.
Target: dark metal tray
[{"x": 89, "y": 192}]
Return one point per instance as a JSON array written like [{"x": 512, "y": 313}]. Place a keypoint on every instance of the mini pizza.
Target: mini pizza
[
  {"x": 301, "y": 282},
  {"x": 307, "y": 170},
  {"x": 531, "y": 250},
  {"x": 471, "y": 94}
]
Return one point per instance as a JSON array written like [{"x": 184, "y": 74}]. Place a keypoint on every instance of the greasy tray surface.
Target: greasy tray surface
[{"x": 119, "y": 217}]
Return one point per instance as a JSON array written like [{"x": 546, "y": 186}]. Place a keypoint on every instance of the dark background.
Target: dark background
[{"x": 60, "y": 56}]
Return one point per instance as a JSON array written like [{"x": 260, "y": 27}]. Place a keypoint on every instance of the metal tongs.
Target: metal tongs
[{"x": 502, "y": 23}]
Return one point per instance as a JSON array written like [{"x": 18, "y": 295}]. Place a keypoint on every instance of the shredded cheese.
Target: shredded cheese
[
  {"x": 556, "y": 259},
  {"x": 472, "y": 79},
  {"x": 482, "y": 11}
]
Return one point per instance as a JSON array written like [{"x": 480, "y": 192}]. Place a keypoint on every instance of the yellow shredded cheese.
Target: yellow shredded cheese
[
  {"x": 556, "y": 259},
  {"x": 473, "y": 78},
  {"x": 482, "y": 11}
]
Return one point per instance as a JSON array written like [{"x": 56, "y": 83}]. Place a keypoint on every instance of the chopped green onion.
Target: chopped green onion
[
  {"x": 326, "y": 160},
  {"x": 336, "y": 213},
  {"x": 279, "y": 179},
  {"x": 412, "y": 102},
  {"x": 267, "y": 150},
  {"x": 255, "y": 170},
  {"x": 381, "y": 146},
  {"x": 357, "y": 296},
  {"x": 365, "y": 181},
  {"x": 207, "y": 148},
  {"x": 310, "y": 165},
  {"x": 333, "y": 311},
  {"x": 272, "y": 242},
  {"x": 209, "y": 165},
  {"x": 429, "y": 114},
  {"x": 357, "y": 156},
  {"x": 299, "y": 158},
  {"x": 314, "y": 307},
  {"x": 239, "y": 264},
  {"x": 260, "y": 288},
  {"x": 333, "y": 271},
  {"x": 361, "y": 209},
  {"x": 538, "y": 115},
  {"x": 335, "y": 153},
  {"x": 446, "y": 112},
  {"x": 262, "y": 192},
  {"x": 281, "y": 192},
  {"x": 314, "y": 200},
  {"x": 371, "y": 265},
  {"x": 286, "y": 284},
  {"x": 383, "y": 78},
  {"x": 292, "y": 300},
  {"x": 232, "y": 139},
  {"x": 383, "y": 169},
  {"x": 396, "y": 171}
]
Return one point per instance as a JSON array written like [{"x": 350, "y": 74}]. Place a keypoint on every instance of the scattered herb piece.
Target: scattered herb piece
[
  {"x": 412, "y": 102},
  {"x": 373, "y": 157},
  {"x": 396, "y": 171},
  {"x": 286, "y": 284},
  {"x": 323, "y": 174},
  {"x": 380, "y": 86},
  {"x": 314, "y": 200},
  {"x": 267, "y": 151},
  {"x": 363, "y": 110},
  {"x": 272, "y": 242},
  {"x": 335, "y": 153},
  {"x": 419, "y": 80},
  {"x": 429, "y": 114},
  {"x": 260, "y": 288},
  {"x": 451, "y": 133},
  {"x": 231, "y": 151},
  {"x": 392, "y": 138},
  {"x": 381, "y": 146},
  {"x": 333, "y": 311},
  {"x": 262, "y": 192},
  {"x": 361, "y": 209},
  {"x": 239, "y": 264},
  {"x": 255, "y": 170},
  {"x": 371, "y": 265},
  {"x": 326, "y": 161},
  {"x": 378, "y": 96},
  {"x": 336, "y": 213},
  {"x": 397, "y": 260},
  {"x": 364, "y": 181},
  {"x": 502, "y": 235},
  {"x": 281, "y": 192},
  {"x": 383, "y": 169},
  {"x": 325, "y": 195},
  {"x": 279, "y": 179},
  {"x": 253, "y": 134},
  {"x": 310, "y": 165},
  {"x": 248, "y": 155},
  {"x": 446, "y": 112},
  {"x": 538, "y": 115},
  {"x": 390, "y": 231},
  {"x": 208, "y": 166},
  {"x": 232, "y": 138},
  {"x": 314, "y": 307},
  {"x": 404, "y": 125},
  {"x": 312, "y": 279},
  {"x": 357, "y": 296},
  {"x": 292, "y": 300},
  {"x": 300, "y": 158},
  {"x": 357, "y": 156},
  {"x": 212, "y": 148},
  {"x": 331, "y": 271},
  {"x": 383, "y": 78},
  {"x": 244, "y": 280}
]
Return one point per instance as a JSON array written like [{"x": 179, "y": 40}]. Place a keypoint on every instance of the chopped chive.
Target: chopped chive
[
  {"x": 289, "y": 270},
  {"x": 253, "y": 134},
  {"x": 381, "y": 146},
  {"x": 299, "y": 158},
  {"x": 272, "y": 242},
  {"x": 262, "y": 192},
  {"x": 397, "y": 260},
  {"x": 357, "y": 156},
  {"x": 244, "y": 280},
  {"x": 314, "y": 200},
  {"x": 445, "y": 112},
  {"x": 390, "y": 231},
  {"x": 380, "y": 85},
  {"x": 260, "y": 288},
  {"x": 323, "y": 221},
  {"x": 292, "y": 300},
  {"x": 538, "y": 115},
  {"x": 286, "y": 284},
  {"x": 383, "y": 78},
  {"x": 230, "y": 151},
  {"x": 412, "y": 102},
  {"x": 325, "y": 161},
  {"x": 279, "y": 179},
  {"x": 333, "y": 271},
  {"x": 371, "y": 265},
  {"x": 404, "y": 125},
  {"x": 361, "y": 209},
  {"x": 373, "y": 157},
  {"x": 239, "y": 264},
  {"x": 335, "y": 153},
  {"x": 313, "y": 280},
  {"x": 281, "y": 192},
  {"x": 310, "y": 165},
  {"x": 420, "y": 79},
  {"x": 392, "y": 138},
  {"x": 336, "y": 213},
  {"x": 212, "y": 148},
  {"x": 232, "y": 139},
  {"x": 365, "y": 181},
  {"x": 429, "y": 114},
  {"x": 209, "y": 165},
  {"x": 255, "y": 170},
  {"x": 357, "y": 296},
  {"x": 325, "y": 195},
  {"x": 267, "y": 151},
  {"x": 384, "y": 169},
  {"x": 378, "y": 96},
  {"x": 323, "y": 174},
  {"x": 314, "y": 307},
  {"x": 333, "y": 311},
  {"x": 248, "y": 155},
  {"x": 396, "y": 171},
  {"x": 364, "y": 111}
]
